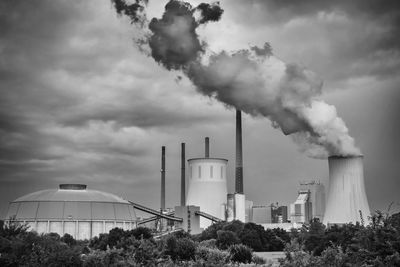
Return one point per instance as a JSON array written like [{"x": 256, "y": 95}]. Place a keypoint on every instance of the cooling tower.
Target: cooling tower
[
  {"x": 207, "y": 186},
  {"x": 346, "y": 195}
]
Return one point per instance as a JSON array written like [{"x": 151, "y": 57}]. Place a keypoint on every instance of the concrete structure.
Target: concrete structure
[
  {"x": 249, "y": 210},
  {"x": 191, "y": 221},
  {"x": 230, "y": 208},
  {"x": 317, "y": 197},
  {"x": 73, "y": 209},
  {"x": 346, "y": 197},
  {"x": 285, "y": 226},
  {"x": 239, "y": 155},
  {"x": 207, "y": 186},
  {"x": 301, "y": 209},
  {"x": 261, "y": 214},
  {"x": 279, "y": 214},
  {"x": 240, "y": 207}
]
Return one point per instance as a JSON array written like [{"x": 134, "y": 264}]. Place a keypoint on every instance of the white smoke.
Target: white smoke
[
  {"x": 285, "y": 93},
  {"x": 252, "y": 80}
]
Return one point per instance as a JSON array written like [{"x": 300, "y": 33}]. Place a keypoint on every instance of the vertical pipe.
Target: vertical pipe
[
  {"x": 207, "y": 147},
  {"x": 239, "y": 157},
  {"x": 183, "y": 185},
  {"x": 162, "y": 178}
]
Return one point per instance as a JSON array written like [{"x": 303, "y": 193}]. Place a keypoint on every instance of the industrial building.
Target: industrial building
[
  {"x": 310, "y": 203},
  {"x": 317, "y": 197},
  {"x": 261, "y": 214},
  {"x": 73, "y": 209},
  {"x": 279, "y": 214},
  {"x": 301, "y": 209},
  {"x": 85, "y": 213}
]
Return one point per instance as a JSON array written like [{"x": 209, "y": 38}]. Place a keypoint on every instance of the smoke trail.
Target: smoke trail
[{"x": 252, "y": 80}]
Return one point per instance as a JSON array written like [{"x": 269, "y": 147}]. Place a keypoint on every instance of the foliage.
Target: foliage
[
  {"x": 240, "y": 253},
  {"x": 211, "y": 243},
  {"x": 180, "y": 248},
  {"x": 222, "y": 244},
  {"x": 226, "y": 238},
  {"x": 211, "y": 231},
  {"x": 68, "y": 239},
  {"x": 19, "y": 247},
  {"x": 119, "y": 238},
  {"x": 211, "y": 256},
  {"x": 377, "y": 244}
]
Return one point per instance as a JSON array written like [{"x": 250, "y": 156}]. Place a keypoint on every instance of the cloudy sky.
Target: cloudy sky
[{"x": 81, "y": 103}]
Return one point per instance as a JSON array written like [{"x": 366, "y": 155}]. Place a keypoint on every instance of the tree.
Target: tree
[{"x": 226, "y": 239}]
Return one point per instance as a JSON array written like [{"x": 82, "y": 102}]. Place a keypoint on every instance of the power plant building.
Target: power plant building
[
  {"x": 73, "y": 209},
  {"x": 301, "y": 209},
  {"x": 317, "y": 197},
  {"x": 261, "y": 214}
]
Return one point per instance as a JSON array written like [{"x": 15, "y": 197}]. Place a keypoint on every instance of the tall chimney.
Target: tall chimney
[
  {"x": 207, "y": 147},
  {"x": 239, "y": 156},
  {"x": 162, "y": 178},
  {"x": 183, "y": 185}
]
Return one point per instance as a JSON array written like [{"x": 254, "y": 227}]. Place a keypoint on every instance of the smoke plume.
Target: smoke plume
[{"x": 252, "y": 80}]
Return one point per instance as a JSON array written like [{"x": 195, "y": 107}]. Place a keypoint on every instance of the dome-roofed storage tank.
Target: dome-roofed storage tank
[
  {"x": 347, "y": 200},
  {"x": 73, "y": 209}
]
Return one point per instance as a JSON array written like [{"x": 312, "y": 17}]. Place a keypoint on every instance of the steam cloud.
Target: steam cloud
[{"x": 252, "y": 80}]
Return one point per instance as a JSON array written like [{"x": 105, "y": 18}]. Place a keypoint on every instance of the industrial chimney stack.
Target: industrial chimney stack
[
  {"x": 239, "y": 197},
  {"x": 239, "y": 156},
  {"x": 183, "y": 184},
  {"x": 162, "y": 178}
]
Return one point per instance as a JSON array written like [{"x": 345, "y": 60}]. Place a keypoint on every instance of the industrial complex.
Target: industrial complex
[{"x": 85, "y": 213}]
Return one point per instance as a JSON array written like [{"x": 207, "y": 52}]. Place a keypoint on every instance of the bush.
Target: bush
[
  {"x": 141, "y": 233},
  {"x": 146, "y": 254},
  {"x": 211, "y": 243},
  {"x": 180, "y": 249},
  {"x": 68, "y": 239},
  {"x": 226, "y": 238},
  {"x": 110, "y": 257},
  {"x": 240, "y": 253},
  {"x": 211, "y": 256}
]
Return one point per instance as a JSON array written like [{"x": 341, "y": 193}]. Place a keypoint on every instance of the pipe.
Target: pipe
[
  {"x": 207, "y": 147},
  {"x": 183, "y": 185}
]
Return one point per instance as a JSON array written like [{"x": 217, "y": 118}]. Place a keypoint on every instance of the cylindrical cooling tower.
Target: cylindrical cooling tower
[
  {"x": 347, "y": 200},
  {"x": 207, "y": 186}
]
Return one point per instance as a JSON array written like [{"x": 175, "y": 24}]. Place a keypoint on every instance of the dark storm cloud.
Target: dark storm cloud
[
  {"x": 365, "y": 42},
  {"x": 174, "y": 41},
  {"x": 70, "y": 103}
]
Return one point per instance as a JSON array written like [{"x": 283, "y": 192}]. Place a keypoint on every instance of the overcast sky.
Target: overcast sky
[{"x": 80, "y": 103}]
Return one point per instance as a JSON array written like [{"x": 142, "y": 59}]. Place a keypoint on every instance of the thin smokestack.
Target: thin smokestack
[
  {"x": 239, "y": 156},
  {"x": 207, "y": 147},
  {"x": 162, "y": 178},
  {"x": 183, "y": 185}
]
